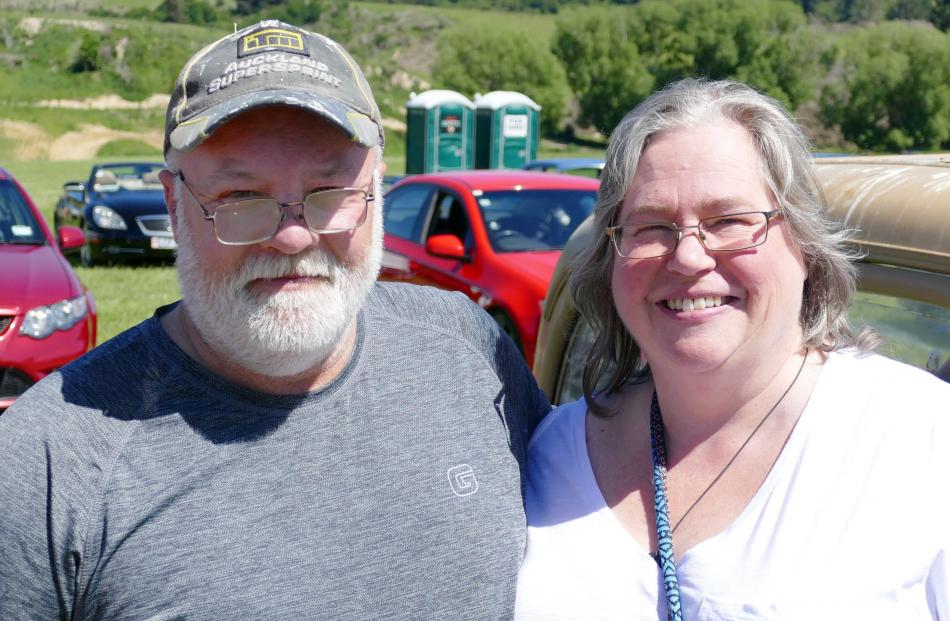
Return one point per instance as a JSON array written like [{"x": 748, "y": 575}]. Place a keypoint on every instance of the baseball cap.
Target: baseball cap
[{"x": 270, "y": 63}]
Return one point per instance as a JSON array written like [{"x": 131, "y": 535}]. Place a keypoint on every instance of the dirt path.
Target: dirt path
[
  {"x": 84, "y": 143},
  {"x": 33, "y": 142},
  {"x": 30, "y": 141}
]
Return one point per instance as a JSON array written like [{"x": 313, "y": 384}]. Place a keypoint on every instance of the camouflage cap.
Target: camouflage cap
[{"x": 270, "y": 63}]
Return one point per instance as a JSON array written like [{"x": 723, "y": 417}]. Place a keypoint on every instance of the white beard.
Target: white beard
[{"x": 283, "y": 334}]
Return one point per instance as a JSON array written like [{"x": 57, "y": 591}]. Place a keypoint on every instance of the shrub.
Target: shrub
[{"x": 482, "y": 61}]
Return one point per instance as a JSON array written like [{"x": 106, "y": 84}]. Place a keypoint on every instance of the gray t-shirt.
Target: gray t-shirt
[{"x": 135, "y": 484}]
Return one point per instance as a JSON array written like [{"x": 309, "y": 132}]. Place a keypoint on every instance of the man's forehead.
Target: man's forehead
[{"x": 230, "y": 168}]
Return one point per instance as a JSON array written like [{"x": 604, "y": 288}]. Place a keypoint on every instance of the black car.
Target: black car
[{"x": 121, "y": 209}]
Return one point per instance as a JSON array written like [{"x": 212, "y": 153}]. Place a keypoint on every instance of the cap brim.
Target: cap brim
[{"x": 360, "y": 128}]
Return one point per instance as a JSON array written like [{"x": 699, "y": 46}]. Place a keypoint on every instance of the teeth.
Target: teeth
[{"x": 688, "y": 304}]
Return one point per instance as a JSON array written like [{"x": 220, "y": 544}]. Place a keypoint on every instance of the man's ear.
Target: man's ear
[
  {"x": 167, "y": 178},
  {"x": 381, "y": 167}
]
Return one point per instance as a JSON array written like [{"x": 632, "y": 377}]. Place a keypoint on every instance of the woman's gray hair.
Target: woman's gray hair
[{"x": 614, "y": 360}]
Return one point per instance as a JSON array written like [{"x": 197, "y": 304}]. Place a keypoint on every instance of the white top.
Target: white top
[
  {"x": 500, "y": 99},
  {"x": 433, "y": 98},
  {"x": 852, "y": 522}
]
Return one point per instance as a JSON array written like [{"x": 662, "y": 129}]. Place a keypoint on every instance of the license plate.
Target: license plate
[{"x": 163, "y": 243}]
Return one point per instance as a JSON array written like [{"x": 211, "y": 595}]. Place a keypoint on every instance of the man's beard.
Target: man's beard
[{"x": 280, "y": 334}]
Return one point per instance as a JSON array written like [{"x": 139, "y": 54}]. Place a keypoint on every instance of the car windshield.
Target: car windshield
[
  {"x": 116, "y": 177},
  {"x": 531, "y": 220},
  {"x": 17, "y": 223}
]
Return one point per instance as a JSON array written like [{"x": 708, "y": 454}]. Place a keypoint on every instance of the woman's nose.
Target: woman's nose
[{"x": 690, "y": 255}]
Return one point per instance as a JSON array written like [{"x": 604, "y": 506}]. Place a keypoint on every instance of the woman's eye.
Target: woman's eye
[
  {"x": 729, "y": 221},
  {"x": 649, "y": 229}
]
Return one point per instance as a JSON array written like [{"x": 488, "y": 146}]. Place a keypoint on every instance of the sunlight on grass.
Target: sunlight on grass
[{"x": 126, "y": 295}]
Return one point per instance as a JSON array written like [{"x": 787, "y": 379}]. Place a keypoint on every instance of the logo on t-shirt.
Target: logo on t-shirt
[{"x": 463, "y": 481}]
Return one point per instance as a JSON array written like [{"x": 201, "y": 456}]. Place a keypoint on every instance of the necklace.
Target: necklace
[{"x": 665, "y": 555}]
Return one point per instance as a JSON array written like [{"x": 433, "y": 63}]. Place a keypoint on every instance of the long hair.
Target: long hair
[{"x": 614, "y": 360}]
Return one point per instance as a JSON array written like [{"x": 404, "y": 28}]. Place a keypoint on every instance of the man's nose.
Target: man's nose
[{"x": 293, "y": 235}]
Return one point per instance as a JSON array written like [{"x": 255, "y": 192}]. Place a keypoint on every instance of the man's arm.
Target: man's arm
[{"x": 42, "y": 500}]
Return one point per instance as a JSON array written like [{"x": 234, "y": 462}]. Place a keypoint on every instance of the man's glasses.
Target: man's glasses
[
  {"x": 253, "y": 220},
  {"x": 726, "y": 233}
]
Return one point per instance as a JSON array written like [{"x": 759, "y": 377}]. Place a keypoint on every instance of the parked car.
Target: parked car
[
  {"x": 900, "y": 206},
  {"x": 121, "y": 210},
  {"x": 493, "y": 235},
  {"x": 47, "y": 317},
  {"x": 390, "y": 180},
  {"x": 585, "y": 166}
]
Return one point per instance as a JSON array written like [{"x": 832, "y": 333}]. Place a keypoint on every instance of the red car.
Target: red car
[
  {"x": 47, "y": 318},
  {"x": 493, "y": 235}
]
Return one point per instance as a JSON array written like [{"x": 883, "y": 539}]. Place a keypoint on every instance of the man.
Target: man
[{"x": 291, "y": 440}]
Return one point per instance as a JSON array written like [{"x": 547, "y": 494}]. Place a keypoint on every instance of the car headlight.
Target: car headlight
[
  {"x": 107, "y": 218},
  {"x": 42, "y": 321}
]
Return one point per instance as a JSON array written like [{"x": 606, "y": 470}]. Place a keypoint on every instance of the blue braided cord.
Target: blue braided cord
[{"x": 664, "y": 535}]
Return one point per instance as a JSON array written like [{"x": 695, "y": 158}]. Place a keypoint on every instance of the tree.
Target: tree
[
  {"x": 889, "y": 93},
  {"x": 198, "y": 12},
  {"x": 481, "y": 61},
  {"x": 940, "y": 14},
  {"x": 615, "y": 59},
  {"x": 603, "y": 67},
  {"x": 88, "y": 56}
]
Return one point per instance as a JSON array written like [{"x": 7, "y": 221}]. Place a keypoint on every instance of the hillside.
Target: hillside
[{"x": 77, "y": 86}]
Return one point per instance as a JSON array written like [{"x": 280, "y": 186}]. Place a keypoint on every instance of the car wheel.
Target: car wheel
[
  {"x": 85, "y": 255},
  {"x": 507, "y": 325}
]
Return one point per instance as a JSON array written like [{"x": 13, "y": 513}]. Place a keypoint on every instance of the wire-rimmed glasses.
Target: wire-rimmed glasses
[
  {"x": 725, "y": 233},
  {"x": 253, "y": 220}
]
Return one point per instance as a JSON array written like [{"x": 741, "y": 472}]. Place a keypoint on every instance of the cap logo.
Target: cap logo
[{"x": 270, "y": 39}]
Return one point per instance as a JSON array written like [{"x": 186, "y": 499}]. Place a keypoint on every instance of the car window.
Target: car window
[
  {"x": 914, "y": 332},
  {"x": 518, "y": 221},
  {"x": 18, "y": 225},
  {"x": 116, "y": 177},
  {"x": 570, "y": 385},
  {"x": 449, "y": 218},
  {"x": 404, "y": 210}
]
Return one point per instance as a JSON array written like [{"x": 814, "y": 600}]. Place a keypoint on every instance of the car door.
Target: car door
[
  {"x": 405, "y": 213},
  {"x": 449, "y": 216}
]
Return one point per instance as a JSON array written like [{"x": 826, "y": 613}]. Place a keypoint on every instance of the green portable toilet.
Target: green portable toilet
[
  {"x": 507, "y": 130},
  {"x": 440, "y": 132}
]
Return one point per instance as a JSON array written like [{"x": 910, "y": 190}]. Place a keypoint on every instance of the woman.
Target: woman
[{"x": 738, "y": 453}]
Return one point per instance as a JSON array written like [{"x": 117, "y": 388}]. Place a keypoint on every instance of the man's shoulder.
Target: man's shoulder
[
  {"x": 95, "y": 383},
  {"x": 428, "y": 308}
]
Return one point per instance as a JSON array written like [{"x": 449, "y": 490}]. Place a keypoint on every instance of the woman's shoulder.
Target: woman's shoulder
[
  {"x": 563, "y": 422},
  {"x": 877, "y": 395},
  {"x": 876, "y": 374}
]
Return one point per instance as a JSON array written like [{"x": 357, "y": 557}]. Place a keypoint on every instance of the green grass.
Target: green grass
[
  {"x": 132, "y": 149},
  {"x": 44, "y": 180},
  {"x": 535, "y": 26},
  {"x": 126, "y": 295}
]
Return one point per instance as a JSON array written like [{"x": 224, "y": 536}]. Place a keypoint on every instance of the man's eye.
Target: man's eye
[{"x": 239, "y": 194}]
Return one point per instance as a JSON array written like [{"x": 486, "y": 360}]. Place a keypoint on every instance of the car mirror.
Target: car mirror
[
  {"x": 70, "y": 238},
  {"x": 447, "y": 245}
]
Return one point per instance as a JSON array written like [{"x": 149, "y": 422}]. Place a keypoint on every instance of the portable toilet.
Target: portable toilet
[
  {"x": 440, "y": 132},
  {"x": 507, "y": 130}
]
